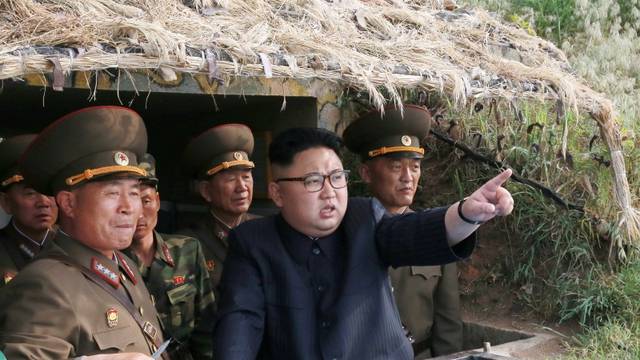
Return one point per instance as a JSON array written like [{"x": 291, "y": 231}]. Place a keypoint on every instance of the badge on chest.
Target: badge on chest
[
  {"x": 112, "y": 317},
  {"x": 210, "y": 265},
  {"x": 8, "y": 276}
]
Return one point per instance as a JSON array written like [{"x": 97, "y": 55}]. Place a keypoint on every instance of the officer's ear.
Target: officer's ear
[
  {"x": 203, "y": 190},
  {"x": 158, "y": 200},
  {"x": 275, "y": 194},
  {"x": 66, "y": 201},
  {"x": 4, "y": 203},
  {"x": 365, "y": 172}
]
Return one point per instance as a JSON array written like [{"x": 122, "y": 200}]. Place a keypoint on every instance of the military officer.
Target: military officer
[
  {"x": 33, "y": 215},
  {"x": 219, "y": 160},
  {"x": 82, "y": 296},
  {"x": 175, "y": 273},
  {"x": 427, "y": 296}
]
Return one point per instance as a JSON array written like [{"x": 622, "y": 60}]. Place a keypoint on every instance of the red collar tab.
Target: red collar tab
[
  {"x": 104, "y": 272},
  {"x": 167, "y": 255},
  {"x": 126, "y": 268}
]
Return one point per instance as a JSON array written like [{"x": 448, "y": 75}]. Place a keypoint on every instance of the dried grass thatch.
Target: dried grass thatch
[{"x": 376, "y": 46}]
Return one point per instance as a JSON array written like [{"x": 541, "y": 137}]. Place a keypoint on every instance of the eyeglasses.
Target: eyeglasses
[{"x": 315, "y": 182}]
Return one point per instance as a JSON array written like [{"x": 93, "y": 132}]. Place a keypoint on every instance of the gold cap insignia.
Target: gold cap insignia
[
  {"x": 112, "y": 317},
  {"x": 237, "y": 155},
  {"x": 121, "y": 158},
  {"x": 405, "y": 140},
  {"x": 210, "y": 265}
]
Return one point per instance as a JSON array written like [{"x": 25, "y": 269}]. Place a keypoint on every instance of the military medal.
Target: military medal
[
  {"x": 210, "y": 265},
  {"x": 112, "y": 317},
  {"x": 178, "y": 280},
  {"x": 8, "y": 276}
]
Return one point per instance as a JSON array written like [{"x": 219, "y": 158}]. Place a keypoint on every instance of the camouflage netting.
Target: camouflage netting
[{"x": 376, "y": 46}]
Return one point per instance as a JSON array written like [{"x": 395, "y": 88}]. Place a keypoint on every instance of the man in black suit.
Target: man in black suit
[{"x": 311, "y": 282}]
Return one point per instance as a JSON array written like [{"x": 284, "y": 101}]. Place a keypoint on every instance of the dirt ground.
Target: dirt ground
[{"x": 487, "y": 300}]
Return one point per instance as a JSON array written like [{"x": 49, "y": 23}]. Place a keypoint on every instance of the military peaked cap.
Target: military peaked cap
[
  {"x": 10, "y": 151},
  {"x": 148, "y": 164},
  {"x": 85, "y": 145},
  {"x": 219, "y": 148},
  {"x": 391, "y": 134}
]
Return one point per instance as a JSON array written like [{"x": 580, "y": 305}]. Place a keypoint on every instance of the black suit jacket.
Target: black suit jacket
[{"x": 267, "y": 306}]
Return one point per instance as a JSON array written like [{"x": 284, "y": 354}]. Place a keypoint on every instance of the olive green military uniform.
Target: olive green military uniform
[
  {"x": 216, "y": 149},
  {"x": 72, "y": 300},
  {"x": 427, "y": 297},
  {"x": 179, "y": 282},
  {"x": 428, "y": 301},
  {"x": 213, "y": 237},
  {"x": 16, "y": 248},
  {"x": 52, "y": 311},
  {"x": 429, "y": 304}
]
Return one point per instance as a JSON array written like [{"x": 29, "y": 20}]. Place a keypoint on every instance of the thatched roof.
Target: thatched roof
[
  {"x": 367, "y": 45},
  {"x": 376, "y": 46}
]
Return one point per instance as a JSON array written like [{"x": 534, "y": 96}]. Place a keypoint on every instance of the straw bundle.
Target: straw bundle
[
  {"x": 376, "y": 46},
  {"x": 368, "y": 45}
]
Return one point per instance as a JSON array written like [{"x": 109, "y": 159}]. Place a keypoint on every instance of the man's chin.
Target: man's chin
[
  {"x": 141, "y": 233},
  {"x": 405, "y": 200},
  {"x": 239, "y": 210},
  {"x": 124, "y": 243},
  {"x": 328, "y": 226}
]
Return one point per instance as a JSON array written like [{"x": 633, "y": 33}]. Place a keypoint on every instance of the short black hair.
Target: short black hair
[{"x": 292, "y": 141}]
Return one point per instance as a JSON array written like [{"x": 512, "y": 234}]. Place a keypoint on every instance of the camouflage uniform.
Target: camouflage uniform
[
  {"x": 179, "y": 283},
  {"x": 213, "y": 237}
]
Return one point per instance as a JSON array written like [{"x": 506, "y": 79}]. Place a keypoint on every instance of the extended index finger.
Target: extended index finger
[{"x": 493, "y": 184}]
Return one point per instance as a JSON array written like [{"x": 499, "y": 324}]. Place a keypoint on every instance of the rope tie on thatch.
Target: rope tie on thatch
[
  {"x": 72, "y": 57},
  {"x": 58, "y": 75},
  {"x": 204, "y": 64},
  {"x": 23, "y": 66},
  {"x": 291, "y": 62},
  {"x": 266, "y": 63},
  {"x": 212, "y": 66}
]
